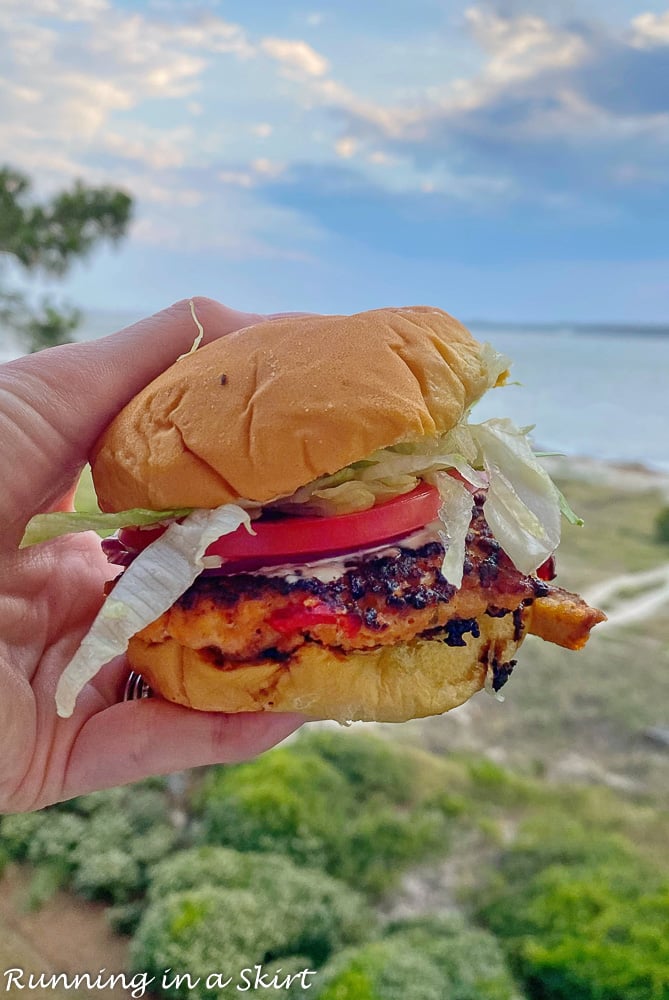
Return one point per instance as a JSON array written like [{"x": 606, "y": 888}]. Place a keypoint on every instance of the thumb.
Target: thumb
[{"x": 55, "y": 404}]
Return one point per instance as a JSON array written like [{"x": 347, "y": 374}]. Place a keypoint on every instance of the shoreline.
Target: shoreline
[{"x": 631, "y": 476}]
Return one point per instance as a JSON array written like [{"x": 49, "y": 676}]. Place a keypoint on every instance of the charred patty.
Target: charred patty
[{"x": 375, "y": 601}]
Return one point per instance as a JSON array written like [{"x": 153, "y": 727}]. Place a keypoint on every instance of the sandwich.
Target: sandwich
[{"x": 311, "y": 521}]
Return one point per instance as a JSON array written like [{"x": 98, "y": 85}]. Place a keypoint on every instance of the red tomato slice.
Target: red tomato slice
[{"x": 301, "y": 539}]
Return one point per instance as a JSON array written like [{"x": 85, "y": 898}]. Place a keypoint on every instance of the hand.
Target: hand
[{"x": 53, "y": 407}]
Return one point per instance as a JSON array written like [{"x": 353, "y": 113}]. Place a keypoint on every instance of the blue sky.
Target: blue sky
[{"x": 505, "y": 161}]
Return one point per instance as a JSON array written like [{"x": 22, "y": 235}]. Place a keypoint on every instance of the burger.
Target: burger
[{"x": 310, "y": 521}]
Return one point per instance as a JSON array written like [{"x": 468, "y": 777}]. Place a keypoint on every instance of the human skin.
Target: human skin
[{"x": 53, "y": 407}]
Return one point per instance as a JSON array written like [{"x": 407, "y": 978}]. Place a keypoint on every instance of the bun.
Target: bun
[
  {"x": 388, "y": 684},
  {"x": 263, "y": 411}
]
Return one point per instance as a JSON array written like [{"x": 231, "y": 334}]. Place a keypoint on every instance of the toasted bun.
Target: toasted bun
[
  {"x": 263, "y": 411},
  {"x": 388, "y": 684}
]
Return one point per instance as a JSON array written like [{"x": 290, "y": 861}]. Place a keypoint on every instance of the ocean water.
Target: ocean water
[
  {"x": 597, "y": 395},
  {"x": 602, "y": 396}
]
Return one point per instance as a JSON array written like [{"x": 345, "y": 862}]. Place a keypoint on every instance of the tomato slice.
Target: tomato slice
[{"x": 288, "y": 539}]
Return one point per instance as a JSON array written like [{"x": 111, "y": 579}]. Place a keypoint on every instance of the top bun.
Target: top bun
[{"x": 265, "y": 410}]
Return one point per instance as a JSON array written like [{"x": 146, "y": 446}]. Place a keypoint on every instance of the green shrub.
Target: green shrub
[
  {"x": 582, "y": 917},
  {"x": 55, "y": 839},
  {"x": 319, "y": 914},
  {"x": 428, "y": 959},
  {"x": 371, "y": 765},
  {"x": 495, "y": 784},
  {"x": 662, "y": 526},
  {"x": 380, "y": 971},
  {"x": 382, "y": 842},
  {"x": 468, "y": 958},
  {"x": 213, "y": 909},
  {"x": 124, "y": 918},
  {"x": 314, "y": 802},
  {"x": 285, "y": 801},
  {"x": 101, "y": 845},
  {"x": 17, "y": 831},
  {"x": 620, "y": 948}
]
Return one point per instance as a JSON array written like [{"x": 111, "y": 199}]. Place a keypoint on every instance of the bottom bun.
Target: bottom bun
[{"x": 387, "y": 684}]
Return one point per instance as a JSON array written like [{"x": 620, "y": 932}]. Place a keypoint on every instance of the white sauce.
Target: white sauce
[{"x": 330, "y": 569}]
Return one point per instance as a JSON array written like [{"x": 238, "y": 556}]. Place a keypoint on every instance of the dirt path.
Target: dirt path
[
  {"x": 631, "y": 597},
  {"x": 65, "y": 935}
]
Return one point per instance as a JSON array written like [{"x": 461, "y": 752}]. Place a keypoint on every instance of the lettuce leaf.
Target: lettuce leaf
[
  {"x": 523, "y": 504},
  {"x": 44, "y": 527},
  {"x": 455, "y": 515},
  {"x": 159, "y": 575}
]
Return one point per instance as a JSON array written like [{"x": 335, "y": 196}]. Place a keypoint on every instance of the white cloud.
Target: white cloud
[
  {"x": 147, "y": 190},
  {"x": 262, "y": 129},
  {"x": 20, "y": 92},
  {"x": 267, "y": 168},
  {"x": 258, "y": 170},
  {"x": 158, "y": 150},
  {"x": 295, "y": 56},
  {"x": 346, "y": 147},
  {"x": 651, "y": 30},
  {"x": 236, "y": 178},
  {"x": 62, "y": 10},
  {"x": 392, "y": 121},
  {"x": 27, "y": 45},
  {"x": 379, "y": 157},
  {"x": 521, "y": 47}
]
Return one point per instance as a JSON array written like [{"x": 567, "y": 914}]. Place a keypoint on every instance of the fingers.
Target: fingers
[
  {"x": 134, "y": 740},
  {"x": 55, "y": 404}
]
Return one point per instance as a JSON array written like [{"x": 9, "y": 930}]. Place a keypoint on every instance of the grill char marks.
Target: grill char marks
[
  {"x": 411, "y": 579},
  {"x": 376, "y": 601}
]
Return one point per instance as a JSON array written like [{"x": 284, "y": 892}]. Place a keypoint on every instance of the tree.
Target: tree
[{"x": 48, "y": 237}]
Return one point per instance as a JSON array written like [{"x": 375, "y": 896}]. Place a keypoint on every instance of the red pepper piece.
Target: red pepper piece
[
  {"x": 300, "y": 617},
  {"x": 547, "y": 570}
]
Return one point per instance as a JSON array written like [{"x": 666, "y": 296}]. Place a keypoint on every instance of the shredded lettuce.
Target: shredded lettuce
[
  {"x": 497, "y": 365},
  {"x": 44, "y": 527},
  {"x": 568, "y": 514},
  {"x": 455, "y": 515},
  {"x": 150, "y": 585},
  {"x": 200, "y": 332},
  {"x": 523, "y": 504}
]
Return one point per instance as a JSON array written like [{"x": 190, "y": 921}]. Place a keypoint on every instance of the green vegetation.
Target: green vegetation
[
  {"x": 314, "y": 801},
  {"x": 563, "y": 893},
  {"x": 48, "y": 237},
  {"x": 581, "y": 915},
  {"x": 425, "y": 959},
  {"x": 101, "y": 846},
  {"x": 662, "y": 526},
  {"x": 215, "y": 908}
]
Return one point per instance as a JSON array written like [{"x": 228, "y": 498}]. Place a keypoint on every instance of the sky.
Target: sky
[{"x": 504, "y": 161}]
